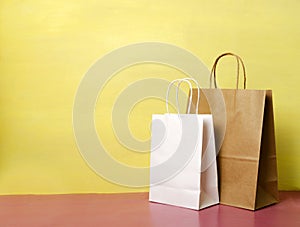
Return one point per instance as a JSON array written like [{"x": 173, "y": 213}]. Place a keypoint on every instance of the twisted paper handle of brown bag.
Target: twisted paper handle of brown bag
[{"x": 238, "y": 59}]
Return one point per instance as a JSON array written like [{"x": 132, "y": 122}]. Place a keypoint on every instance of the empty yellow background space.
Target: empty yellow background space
[{"x": 46, "y": 47}]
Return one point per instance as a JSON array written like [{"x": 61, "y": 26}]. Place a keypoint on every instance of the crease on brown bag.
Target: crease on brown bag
[{"x": 251, "y": 159}]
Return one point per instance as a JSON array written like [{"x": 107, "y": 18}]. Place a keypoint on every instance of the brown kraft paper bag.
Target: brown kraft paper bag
[{"x": 247, "y": 159}]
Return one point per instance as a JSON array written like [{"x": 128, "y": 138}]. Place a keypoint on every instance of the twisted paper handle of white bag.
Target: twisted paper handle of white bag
[
  {"x": 177, "y": 102},
  {"x": 191, "y": 94}
]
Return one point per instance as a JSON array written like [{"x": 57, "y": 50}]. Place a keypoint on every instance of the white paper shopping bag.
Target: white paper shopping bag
[{"x": 183, "y": 159}]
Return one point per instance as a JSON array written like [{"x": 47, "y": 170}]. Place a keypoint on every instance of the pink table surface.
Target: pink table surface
[{"x": 135, "y": 210}]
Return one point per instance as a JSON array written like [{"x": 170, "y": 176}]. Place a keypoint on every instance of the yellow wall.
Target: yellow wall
[{"x": 47, "y": 46}]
